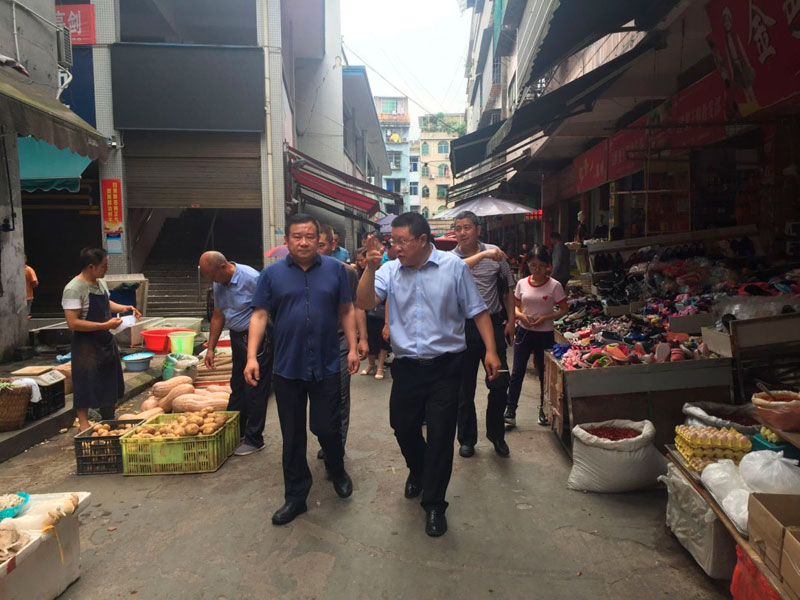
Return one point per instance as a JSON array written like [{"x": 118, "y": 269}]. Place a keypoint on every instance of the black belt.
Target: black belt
[{"x": 428, "y": 362}]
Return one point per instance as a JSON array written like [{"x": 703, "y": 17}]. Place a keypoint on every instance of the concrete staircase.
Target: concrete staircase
[{"x": 171, "y": 268}]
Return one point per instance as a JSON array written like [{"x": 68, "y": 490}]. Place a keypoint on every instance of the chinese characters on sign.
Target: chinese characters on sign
[
  {"x": 111, "y": 189},
  {"x": 591, "y": 167},
  {"x": 79, "y": 19}
]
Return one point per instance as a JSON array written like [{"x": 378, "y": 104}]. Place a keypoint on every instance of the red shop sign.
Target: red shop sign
[
  {"x": 702, "y": 102},
  {"x": 111, "y": 202},
  {"x": 591, "y": 167},
  {"x": 79, "y": 19},
  {"x": 756, "y": 45},
  {"x": 626, "y": 150},
  {"x": 566, "y": 182}
]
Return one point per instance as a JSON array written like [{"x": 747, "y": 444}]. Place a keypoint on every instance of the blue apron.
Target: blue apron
[{"x": 96, "y": 367}]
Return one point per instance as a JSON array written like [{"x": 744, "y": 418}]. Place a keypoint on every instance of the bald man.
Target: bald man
[{"x": 234, "y": 286}]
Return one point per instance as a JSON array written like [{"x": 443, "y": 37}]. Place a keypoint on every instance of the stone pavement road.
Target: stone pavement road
[{"x": 515, "y": 530}]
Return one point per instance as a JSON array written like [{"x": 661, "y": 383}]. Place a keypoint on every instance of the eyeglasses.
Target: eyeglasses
[{"x": 403, "y": 243}]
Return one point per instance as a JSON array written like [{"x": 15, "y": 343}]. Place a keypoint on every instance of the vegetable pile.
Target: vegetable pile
[
  {"x": 202, "y": 422},
  {"x": 223, "y": 363},
  {"x": 614, "y": 433},
  {"x": 104, "y": 430},
  {"x": 10, "y": 501},
  {"x": 766, "y": 433},
  {"x": 179, "y": 395},
  {"x": 45, "y": 513}
]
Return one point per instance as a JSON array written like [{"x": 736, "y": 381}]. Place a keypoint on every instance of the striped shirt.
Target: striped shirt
[{"x": 487, "y": 274}]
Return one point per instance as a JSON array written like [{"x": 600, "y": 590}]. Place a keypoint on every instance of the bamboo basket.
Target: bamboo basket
[{"x": 13, "y": 406}]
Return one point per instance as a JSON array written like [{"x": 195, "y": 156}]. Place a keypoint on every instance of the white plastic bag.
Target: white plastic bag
[
  {"x": 769, "y": 473},
  {"x": 601, "y": 465},
  {"x": 735, "y": 506},
  {"x": 721, "y": 478}
]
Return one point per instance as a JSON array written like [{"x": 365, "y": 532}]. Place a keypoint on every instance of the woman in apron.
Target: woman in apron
[{"x": 96, "y": 367}]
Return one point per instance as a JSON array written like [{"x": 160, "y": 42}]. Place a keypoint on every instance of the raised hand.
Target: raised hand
[{"x": 374, "y": 252}]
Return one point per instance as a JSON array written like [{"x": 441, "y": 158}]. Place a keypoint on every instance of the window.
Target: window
[
  {"x": 425, "y": 212},
  {"x": 494, "y": 117},
  {"x": 413, "y": 165},
  {"x": 426, "y": 193},
  {"x": 425, "y": 147},
  {"x": 444, "y": 170},
  {"x": 395, "y": 160},
  {"x": 413, "y": 188},
  {"x": 441, "y": 191},
  {"x": 426, "y": 171},
  {"x": 389, "y": 107},
  {"x": 496, "y": 70},
  {"x": 443, "y": 148}
]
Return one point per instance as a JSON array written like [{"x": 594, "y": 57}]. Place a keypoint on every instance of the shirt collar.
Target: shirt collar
[
  {"x": 290, "y": 261},
  {"x": 235, "y": 279},
  {"x": 457, "y": 249}
]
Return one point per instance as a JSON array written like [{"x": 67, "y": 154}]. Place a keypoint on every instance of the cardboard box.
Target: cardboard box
[
  {"x": 790, "y": 561},
  {"x": 718, "y": 342},
  {"x": 769, "y": 516},
  {"x": 32, "y": 371},
  {"x": 691, "y": 323},
  {"x": 66, "y": 371}
]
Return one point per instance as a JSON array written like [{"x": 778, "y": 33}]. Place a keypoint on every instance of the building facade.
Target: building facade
[
  {"x": 414, "y": 197},
  {"x": 436, "y": 134},
  {"x": 395, "y": 123}
]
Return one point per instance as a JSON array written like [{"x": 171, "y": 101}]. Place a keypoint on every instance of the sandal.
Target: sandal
[
  {"x": 379, "y": 374},
  {"x": 367, "y": 371}
]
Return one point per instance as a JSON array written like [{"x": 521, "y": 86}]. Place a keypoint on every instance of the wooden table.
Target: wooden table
[{"x": 740, "y": 539}]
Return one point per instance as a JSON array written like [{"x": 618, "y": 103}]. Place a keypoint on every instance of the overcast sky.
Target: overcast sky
[{"x": 420, "y": 46}]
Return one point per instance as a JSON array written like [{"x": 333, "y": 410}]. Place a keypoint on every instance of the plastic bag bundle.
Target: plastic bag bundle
[
  {"x": 720, "y": 415},
  {"x": 770, "y": 473}
]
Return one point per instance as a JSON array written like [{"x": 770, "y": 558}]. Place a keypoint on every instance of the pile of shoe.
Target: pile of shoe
[{"x": 620, "y": 354}]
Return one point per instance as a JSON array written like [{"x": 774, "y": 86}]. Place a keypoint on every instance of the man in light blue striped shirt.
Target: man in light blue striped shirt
[{"x": 430, "y": 296}]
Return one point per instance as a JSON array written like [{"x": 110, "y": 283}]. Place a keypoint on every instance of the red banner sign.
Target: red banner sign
[
  {"x": 79, "y": 19},
  {"x": 566, "y": 182},
  {"x": 756, "y": 45},
  {"x": 111, "y": 191},
  {"x": 591, "y": 167}
]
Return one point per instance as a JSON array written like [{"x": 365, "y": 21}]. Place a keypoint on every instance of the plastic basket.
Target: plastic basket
[
  {"x": 94, "y": 455},
  {"x": 156, "y": 339},
  {"x": 10, "y": 513},
  {"x": 53, "y": 400},
  {"x": 181, "y": 342},
  {"x": 190, "y": 454},
  {"x": 789, "y": 451}
]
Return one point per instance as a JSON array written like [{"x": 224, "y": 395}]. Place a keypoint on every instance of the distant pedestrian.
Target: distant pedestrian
[
  {"x": 96, "y": 367},
  {"x": 307, "y": 295},
  {"x": 338, "y": 251},
  {"x": 491, "y": 271},
  {"x": 234, "y": 287},
  {"x": 560, "y": 255},
  {"x": 521, "y": 258},
  {"x": 430, "y": 296},
  {"x": 31, "y": 281},
  {"x": 539, "y": 301},
  {"x": 325, "y": 248}
]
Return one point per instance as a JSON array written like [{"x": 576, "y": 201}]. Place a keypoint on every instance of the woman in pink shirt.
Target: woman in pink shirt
[{"x": 539, "y": 301}]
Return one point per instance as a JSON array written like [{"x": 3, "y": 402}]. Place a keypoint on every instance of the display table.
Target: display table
[
  {"x": 738, "y": 537},
  {"x": 656, "y": 392}
]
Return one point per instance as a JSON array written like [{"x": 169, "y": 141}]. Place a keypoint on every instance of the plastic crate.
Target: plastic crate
[
  {"x": 190, "y": 454},
  {"x": 789, "y": 451},
  {"x": 94, "y": 455},
  {"x": 52, "y": 401}
]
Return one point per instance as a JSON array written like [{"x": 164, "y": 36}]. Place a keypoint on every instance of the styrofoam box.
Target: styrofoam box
[{"x": 37, "y": 571}]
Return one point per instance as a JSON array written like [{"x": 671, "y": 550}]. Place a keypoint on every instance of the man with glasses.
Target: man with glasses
[
  {"x": 339, "y": 252},
  {"x": 430, "y": 296},
  {"x": 307, "y": 296},
  {"x": 490, "y": 269}
]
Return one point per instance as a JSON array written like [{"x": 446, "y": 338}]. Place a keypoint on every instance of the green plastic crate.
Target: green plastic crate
[{"x": 191, "y": 454}]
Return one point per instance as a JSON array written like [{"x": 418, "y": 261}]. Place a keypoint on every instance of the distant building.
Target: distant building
[
  {"x": 396, "y": 124},
  {"x": 413, "y": 177},
  {"x": 436, "y": 134}
]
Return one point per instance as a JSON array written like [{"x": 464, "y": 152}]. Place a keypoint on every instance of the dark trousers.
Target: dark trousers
[
  {"x": 325, "y": 421},
  {"x": 344, "y": 387},
  {"x": 251, "y": 402},
  {"x": 427, "y": 393},
  {"x": 476, "y": 351},
  {"x": 525, "y": 343}
]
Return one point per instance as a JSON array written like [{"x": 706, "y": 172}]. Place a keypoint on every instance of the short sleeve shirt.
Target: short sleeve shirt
[
  {"x": 76, "y": 294},
  {"x": 30, "y": 279},
  {"x": 235, "y": 299},
  {"x": 539, "y": 300},
  {"x": 304, "y": 306},
  {"x": 487, "y": 273},
  {"x": 428, "y": 306}
]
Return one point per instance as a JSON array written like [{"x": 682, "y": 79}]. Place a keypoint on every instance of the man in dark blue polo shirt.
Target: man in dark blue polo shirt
[{"x": 307, "y": 296}]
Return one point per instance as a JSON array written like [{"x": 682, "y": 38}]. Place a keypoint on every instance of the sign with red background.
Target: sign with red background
[
  {"x": 79, "y": 19},
  {"x": 111, "y": 202}
]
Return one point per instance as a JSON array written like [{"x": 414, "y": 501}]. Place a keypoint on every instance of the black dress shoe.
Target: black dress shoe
[
  {"x": 466, "y": 450},
  {"x": 286, "y": 513},
  {"x": 343, "y": 485},
  {"x": 413, "y": 489},
  {"x": 500, "y": 447},
  {"x": 435, "y": 522}
]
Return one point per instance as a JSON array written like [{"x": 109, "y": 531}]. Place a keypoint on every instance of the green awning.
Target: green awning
[{"x": 44, "y": 167}]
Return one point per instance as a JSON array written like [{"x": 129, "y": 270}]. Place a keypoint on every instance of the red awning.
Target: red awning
[{"x": 335, "y": 191}]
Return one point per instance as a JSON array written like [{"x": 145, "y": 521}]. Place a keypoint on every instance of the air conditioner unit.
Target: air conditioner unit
[
  {"x": 371, "y": 180},
  {"x": 405, "y": 190},
  {"x": 64, "y": 47}
]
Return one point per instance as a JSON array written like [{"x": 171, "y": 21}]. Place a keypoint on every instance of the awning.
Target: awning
[
  {"x": 467, "y": 151},
  {"x": 317, "y": 178},
  {"x": 575, "y": 24},
  {"x": 29, "y": 109},
  {"x": 487, "y": 206},
  {"x": 335, "y": 210},
  {"x": 44, "y": 167},
  {"x": 578, "y": 94}
]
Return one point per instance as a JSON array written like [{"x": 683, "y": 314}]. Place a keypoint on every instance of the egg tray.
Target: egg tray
[
  {"x": 742, "y": 442},
  {"x": 689, "y": 452}
]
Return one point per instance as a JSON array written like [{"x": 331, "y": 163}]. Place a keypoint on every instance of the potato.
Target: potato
[
  {"x": 207, "y": 410},
  {"x": 149, "y": 429},
  {"x": 179, "y": 431},
  {"x": 147, "y": 435},
  {"x": 195, "y": 420},
  {"x": 97, "y": 427},
  {"x": 95, "y": 434},
  {"x": 192, "y": 429},
  {"x": 181, "y": 419}
]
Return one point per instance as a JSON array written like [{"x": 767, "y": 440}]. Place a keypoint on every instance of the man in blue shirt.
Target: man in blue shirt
[
  {"x": 430, "y": 296},
  {"x": 339, "y": 252},
  {"x": 234, "y": 286},
  {"x": 307, "y": 296}
]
